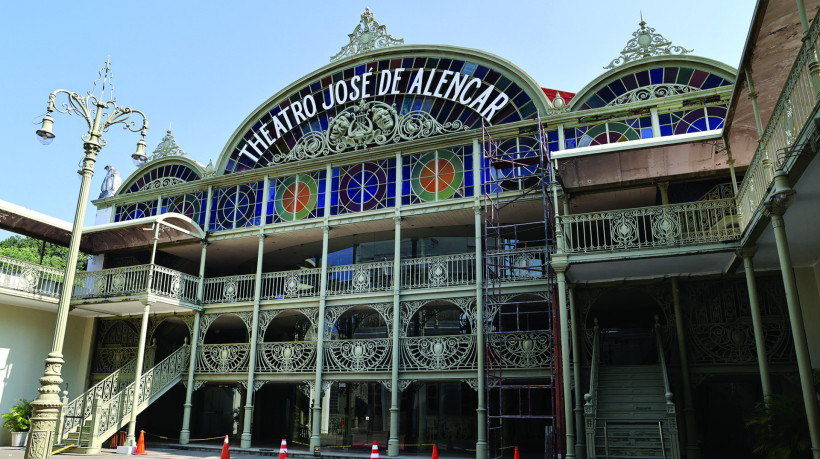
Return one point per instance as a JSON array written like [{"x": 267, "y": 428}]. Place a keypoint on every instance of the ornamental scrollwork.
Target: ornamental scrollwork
[
  {"x": 296, "y": 356},
  {"x": 358, "y": 354},
  {"x": 167, "y": 147},
  {"x": 222, "y": 358},
  {"x": 651, "y": 92},
  {"x": 522, "y": 349},
  {"x": 265, "y": 318},
  {"x": 472, "y": 382},
  {"x": 645, "y": 42},
  {"x": 366, "y": 124},
  {"x": 162, "y": 183},
  {"x": 439, "y": 352},
  {"x": 367, "y": 36}
]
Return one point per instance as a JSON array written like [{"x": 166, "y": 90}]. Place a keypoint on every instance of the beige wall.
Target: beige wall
[
  {"x": 808, "y": 289},
  {"x": 25, "y": 341}
]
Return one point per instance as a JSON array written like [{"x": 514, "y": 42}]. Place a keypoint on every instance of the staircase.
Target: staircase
[
  {"x": 106, "y": 407},
  {"x": 632, "y": 413}
]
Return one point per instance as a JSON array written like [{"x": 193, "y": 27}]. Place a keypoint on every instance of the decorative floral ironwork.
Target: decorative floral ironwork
[
  {"x": 437, "y": 272},
  {"x": 167, "y": 147},
  {"x": 162, "y": 183},
  {"x": 222, "y": 358},
  {"x": 438, "y": 352},
  {"x": 646, "y": 43},
  {"x": 655, "y": 91},
  {"x": 522, "y": 349},
  {"x": 297, "y": 356},
  {"x": 367, "y": 36},
  {"x": 366, "y": 124},
  {"x": 361, "y": 279},
  {"x": 358, "y": 355}
]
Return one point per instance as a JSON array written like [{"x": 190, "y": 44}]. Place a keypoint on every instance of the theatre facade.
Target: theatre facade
[{"x": 420, "y": 244}]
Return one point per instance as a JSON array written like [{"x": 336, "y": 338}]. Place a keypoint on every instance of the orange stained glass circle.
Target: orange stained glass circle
[
  {"x": 428, "y": 179},
  {"x": 296, "y": 197}
]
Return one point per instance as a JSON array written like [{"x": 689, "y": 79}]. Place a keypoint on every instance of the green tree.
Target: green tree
[{"x": 40, "y": 252}]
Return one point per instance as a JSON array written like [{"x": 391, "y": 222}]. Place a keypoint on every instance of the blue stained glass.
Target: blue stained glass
[
  {"x": 646, "y": 133},
  {"x": 698, "y": 125},
  {"x": 656, "y": 76},
  {"x": 521, "y": 99},
  {"x": 481, "y": 71},
  {"x": 646, "y": 122},
  {"x": 360, "y": 69},
  {"x": 666, "y": 129},
  {"x": 469, "y": 68},
  {"x": 571, "y": 143},
  {"x": 456, "y": 66}
]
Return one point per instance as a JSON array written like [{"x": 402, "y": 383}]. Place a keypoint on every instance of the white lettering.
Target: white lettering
[
  {"x": 396, "y": 78},
  {"x": 325, "y": 104},
  {"x": 457, "y": 84},
  {"x": 384, "y": 83},
  {"x": 266, "y": 134},
  {"x": 500, "y": 100},
  {"x": 284, "y": 114},
  {"x": 310, "y": 111},
  {"x": 354, "y": 87},
  {"x": 466, "y": 90},
  {"x": 279, "y": 127},
  {"x": 365, "y": 83},
  {"x": 429, "y": 80},
  {"x": 256, "y": 143},
  {"x": 341, "y": 98},
  {"x": 416, "y": 84},
  {"x": 244, "y": 151},
  {"x": 482, "y": 99},
  {"x": 296, "y": 109},
  {"x": 445, "y": 75}
]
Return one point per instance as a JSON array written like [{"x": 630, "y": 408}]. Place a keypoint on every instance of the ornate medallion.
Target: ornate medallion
[
  {"x": 117, "y": 282},
  {"x": 229, "y": 290},
  {"x": 362, "y": 187},
  {"x": 437, "y": 175},
  {"x": 437, "y": 273},
  {"x": 361, "y": 279},
  {"x": 296, "y": 197}
]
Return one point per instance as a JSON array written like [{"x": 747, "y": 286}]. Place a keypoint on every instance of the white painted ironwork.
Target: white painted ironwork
[
  {"x": 367, "y": 36},
  {"x": 655, "y": 91},
  {"x": 522, "y": 264},
  {"x": 452, "y": 352},
  {"x": 222, "y": 358},
  {"x": 174, "y": 284},
  {"x": 358, "y": 354},
  {"x": 80, "y": 408},
  {"x": 111, "y": 282},
  {"x": 288, "y": 357},
  {"x": 441, "y": 271},
  {"x": 522, "y": 350},
  {"x": 30, "y": 277},
  {"x": 646, "y": 43},
  {"x": 291, "y": 284},
  {"x": 672, "y": 225},
  {"x": 360, "y": 278},
  {"x": 229, "y": 289}
]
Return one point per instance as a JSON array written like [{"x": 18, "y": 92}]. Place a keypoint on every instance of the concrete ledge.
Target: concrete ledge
[{"x": 126, "y": 449}]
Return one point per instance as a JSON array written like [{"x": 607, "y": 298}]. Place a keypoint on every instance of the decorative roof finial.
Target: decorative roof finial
[
  {"x": 167, "y": 147},
  {"x": 367, "y": 36},
  {"x": 646, "y": 43}
]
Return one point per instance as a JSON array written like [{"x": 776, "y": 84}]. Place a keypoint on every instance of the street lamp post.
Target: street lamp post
[{"x": 100, "y": 114}]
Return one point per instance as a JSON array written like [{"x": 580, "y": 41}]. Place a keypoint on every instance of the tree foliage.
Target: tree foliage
[{"x": 42, "y": 253}]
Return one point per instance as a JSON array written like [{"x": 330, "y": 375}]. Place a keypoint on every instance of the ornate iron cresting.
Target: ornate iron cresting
[
  {"x": 646, "y": 43},
  {"x": 672, "y": 225},
  {"x": 363, "y": 125},
  {"x": 289, "y": 357},
  {"x": 367, "y": 36},
  {"x": 30, "y": 277},
  {"x": 167, "y": 147}
]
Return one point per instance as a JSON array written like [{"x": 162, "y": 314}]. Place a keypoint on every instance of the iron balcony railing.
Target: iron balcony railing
[
  {"x": 672, "y": 225},
  {"x": 30, "y": 277},
  {"x": 132, "y": 280},
  {"x": 790, "y": 114}
]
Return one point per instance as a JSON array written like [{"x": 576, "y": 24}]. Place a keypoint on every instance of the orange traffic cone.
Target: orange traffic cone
[
  {"x": 226, "y": 451},
  {"x": 435, "y": 452},
  {"x": 141, "y": 443},
  {"x": 374, "y": 453},
  {"x": 283, "y": 450},
  {"x": 517, "y": 456}
]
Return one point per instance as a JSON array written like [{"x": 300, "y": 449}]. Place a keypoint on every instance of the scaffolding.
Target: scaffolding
[{"x": 518, "y": 240}]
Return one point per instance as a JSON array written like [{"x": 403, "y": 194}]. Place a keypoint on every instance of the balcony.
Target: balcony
[
  {"x": 673, "y": 225},
  {"x": 30, "y": 279},
  {"x": 132, "y": 281}
]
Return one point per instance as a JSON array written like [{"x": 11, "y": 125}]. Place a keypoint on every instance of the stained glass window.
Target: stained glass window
[
  {"x": 296, "y": 197},
  {"x": 605, "y": 133},
  {"x": 366, "y": 186},
  {"x": 438, "y": 175},
  {"x": 236, "y": 206},
  {"x": 697, "y": 120},
  {"x": 163, "y": 176},
  {"x": 652, "y": 84},
  {"x": 190, "y": 205},
  {"x": 516, "y": 165},
  {"x": 135, "y": 211}
]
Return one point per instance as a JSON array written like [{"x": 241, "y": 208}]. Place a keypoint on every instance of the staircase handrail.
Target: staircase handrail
[
  {"x": 589, "y": 397},
  {"x": 671, "y": 413},
  {"x": 114, "y": 410},
  {"x": 79, "y": 409}
]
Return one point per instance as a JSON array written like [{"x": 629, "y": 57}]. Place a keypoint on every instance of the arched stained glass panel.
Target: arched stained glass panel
[
  {"x": 135, "y": 211},
  {"x": 160, "y": 177}
]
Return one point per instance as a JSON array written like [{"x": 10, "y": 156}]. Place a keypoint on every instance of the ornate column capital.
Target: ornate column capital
[
  {"x": 397, "y": 219},
  {"x": 261, "y": 236},
  {"x": 560, "y": 263},
  {"x": 477, "y": 209}
]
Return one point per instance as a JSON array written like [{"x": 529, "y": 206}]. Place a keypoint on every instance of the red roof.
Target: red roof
[{"x": 567, "y": 96}]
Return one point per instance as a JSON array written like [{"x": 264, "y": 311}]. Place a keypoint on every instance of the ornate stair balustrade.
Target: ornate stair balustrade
[
  {"x": 105, "y": 390},
  {"x": 441, "y": 271},
  {"x": 300, "y": 283},
  {"x": 222, "y": 358},
  {"x": 360, "y": 278},
  {"x": 229, "y": 289},
  {"x": 590, "y": 397},
  {"x": 522, "y": 350},
  {"x": 30, "y": 277},
  {"x": 111, "y": 282},
  {"x": 174, "y": 284},
  {"x": 671, "y": 413},
  {"x": 450, "y": 352},
  {"x": 673, "y": 225},
  {"x": 523, "y": 264},
  {"x": 286, "y": 357},
  {"x": 116, "y": 411},
  {"x": 358, "y": 354},
  {"x": 790, "y": 114}
]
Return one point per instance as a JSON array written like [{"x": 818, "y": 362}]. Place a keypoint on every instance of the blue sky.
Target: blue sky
[{"x": 204, "y": 66}]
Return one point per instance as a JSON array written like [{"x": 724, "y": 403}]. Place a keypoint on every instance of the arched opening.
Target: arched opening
[
  {"x": 439, "y": 318},
  {"x": 626, "y": 317},
  {"x": 289, "y": 326},
  {"x": 169, "y": 336},
  {"x": 361, "y": 322},
  {"x": 226, "y": 329}
]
